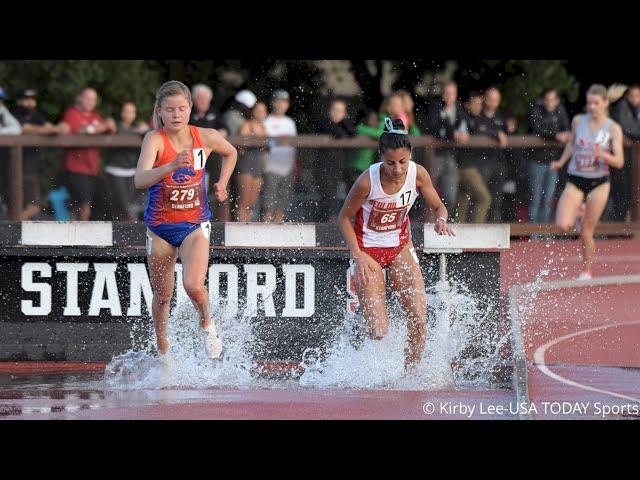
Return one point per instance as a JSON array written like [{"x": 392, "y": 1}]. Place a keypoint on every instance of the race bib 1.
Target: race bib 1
[{"x": 199, "y": 158}]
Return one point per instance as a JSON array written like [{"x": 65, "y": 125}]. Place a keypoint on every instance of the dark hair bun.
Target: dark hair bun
[{"x": 397, "y": 125}]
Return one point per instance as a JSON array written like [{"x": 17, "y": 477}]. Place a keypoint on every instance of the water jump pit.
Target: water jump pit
[{"x": 78, "y": 342}]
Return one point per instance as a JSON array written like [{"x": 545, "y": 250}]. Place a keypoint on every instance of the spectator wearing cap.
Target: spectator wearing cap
[
  {"x": 33, "y": 123},
  {"x": 627, "y": 113},
  {"x": 82, "y": 165},
  {"x": 8, "y": 126},
  {"x": 251, "y": 163},
  {"x": 278, "y": 177},
  {"x": 205, "y": 115},
  {"x": 120, "y": 165},
  {"x": 239, "y": 111}
]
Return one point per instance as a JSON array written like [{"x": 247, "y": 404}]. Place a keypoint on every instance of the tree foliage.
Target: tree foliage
[{"x": 59, "y": 81}]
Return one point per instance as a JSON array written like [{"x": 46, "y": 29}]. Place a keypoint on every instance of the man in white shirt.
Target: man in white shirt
[{"x": 278, "y": 172}]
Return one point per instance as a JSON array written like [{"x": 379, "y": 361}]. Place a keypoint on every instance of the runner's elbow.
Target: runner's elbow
[{"x": 138, "y": 182}]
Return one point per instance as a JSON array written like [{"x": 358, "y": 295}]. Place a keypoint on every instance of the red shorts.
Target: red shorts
[{"x": 383, "y": 255}]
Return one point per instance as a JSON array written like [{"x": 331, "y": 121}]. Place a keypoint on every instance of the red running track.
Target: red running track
[{"x": 582, "y": 344}]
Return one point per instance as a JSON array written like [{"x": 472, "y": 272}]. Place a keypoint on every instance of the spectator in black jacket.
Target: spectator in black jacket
[
  {"x": 492, "y": 166},
  {"x": 205, "y": 115},
  {"x": 124, "y": 201},
  {"x": 443, "y": 122},
  {"x": 473, "y": 189},
  {"x": 549, "y": 120},
  {"x": 627, "y": 113},
  {"x": 331, "y": 161},
  {"x": 33, "y": 123}
]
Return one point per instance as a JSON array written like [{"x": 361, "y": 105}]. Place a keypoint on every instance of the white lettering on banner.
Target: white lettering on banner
[
  {"x": 139, "y": 285},
  {"x": 105, "y": 276},
  {"x": 290, "y": 276},
  {"x": 231, "y": 300},
  {"x": 44, "y": 289},
  {"x": 140, "y": 289},
  {"x": 71, "y": 308},
  {"x": 266, "y": 290}
]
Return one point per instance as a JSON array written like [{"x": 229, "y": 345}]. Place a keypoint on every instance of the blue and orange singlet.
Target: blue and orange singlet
[{"x": 181, "y": 196}]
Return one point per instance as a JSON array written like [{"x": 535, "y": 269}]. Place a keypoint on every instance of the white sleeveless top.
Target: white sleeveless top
[
  {"x": 383, "y": 220},
  {"x": 583, "y": 161}
]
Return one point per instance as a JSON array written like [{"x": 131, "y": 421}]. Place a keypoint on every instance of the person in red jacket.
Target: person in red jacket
[{"x": 82, "y": 165}]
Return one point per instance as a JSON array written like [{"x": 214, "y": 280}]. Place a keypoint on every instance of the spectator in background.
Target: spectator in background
[
  {"x": 627, "y": 113},
  {"x": 513, "y": 164},
  {"x": 33, "y": 123},
  {"x": 251, "y": 163},
  {"x": 205, "y": 115},
  {"x": 493, "y": 168},
  {"x": 8, "y": 123},
  {"x": 120, "y": 165},
  {"x": 395, "y": 106},
  {"x": 408, "y": 106},
  {"x": 399, "y": 105},
  {"x": 8, "y": 126},
  {"x": 443, "y": 122},
  {"x": 358, "y": 160},
  {"x": 82, "y": 165},
  {"x": 473, "y": 189},
  {"x": 549, "y": 120},
  {"x": 331, "y": 160},
  {"x": 278, "y": 177},
  {"x": 239, "y": 111}
]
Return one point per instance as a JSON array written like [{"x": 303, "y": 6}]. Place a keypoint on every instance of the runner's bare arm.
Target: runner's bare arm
[
  {"x": 424, "y": 184},
  {"x": 568, "y": 149},
  {"x": 615, "y": 160},
  {"x": 146, "y": 175},
  {"x": 355, "y": 199},
  {"x": 365, "y": 266},
  {"x": 217, "y": 143}
]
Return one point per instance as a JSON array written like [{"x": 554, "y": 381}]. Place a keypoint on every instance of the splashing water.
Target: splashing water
[
  {"x": 459, "y": 353},
  {"x": 187, "y": 363}
]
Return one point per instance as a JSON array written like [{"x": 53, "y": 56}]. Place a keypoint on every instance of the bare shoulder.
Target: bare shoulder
[
  {"x": 422, "y": 176},
  {"x": 577, "y": 120},
  {"x": 153, "y": 139},
  {"x": 210, "y": 136},
  {"x": 616, "y": 129},
  {"x": 362, "y": 186},
  {"x": 152, "y": 136}
]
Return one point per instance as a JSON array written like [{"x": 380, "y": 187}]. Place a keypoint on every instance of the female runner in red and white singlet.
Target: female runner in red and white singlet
[{"x": 374, "y": 221}]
